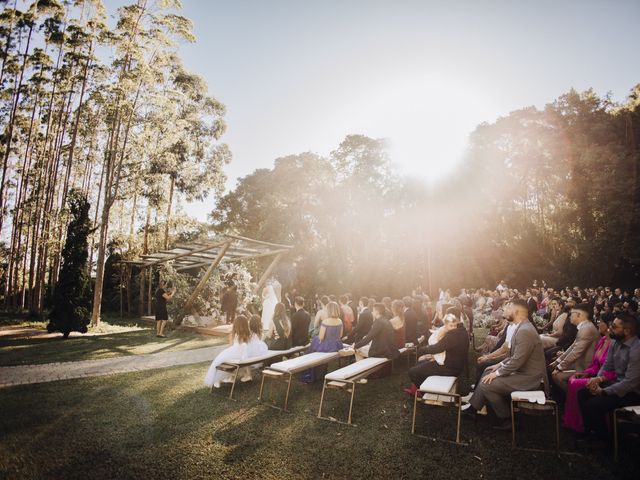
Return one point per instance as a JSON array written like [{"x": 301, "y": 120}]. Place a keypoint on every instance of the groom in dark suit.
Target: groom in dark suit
[{"x": 365, "y": 320}]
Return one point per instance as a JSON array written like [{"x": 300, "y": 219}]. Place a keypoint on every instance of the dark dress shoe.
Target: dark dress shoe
[{"x": 503, "y": 425}]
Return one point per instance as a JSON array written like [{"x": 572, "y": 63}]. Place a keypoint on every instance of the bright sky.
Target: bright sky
[{"x": 301, "y": 75}]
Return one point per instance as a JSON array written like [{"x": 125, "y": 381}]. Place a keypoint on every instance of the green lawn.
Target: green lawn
[
  {"x": 164, "y": 424},
  {"x": 114, "y": 343}
]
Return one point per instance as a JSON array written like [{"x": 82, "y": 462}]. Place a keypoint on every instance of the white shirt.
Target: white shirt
[{"x": 511, "y": 328}]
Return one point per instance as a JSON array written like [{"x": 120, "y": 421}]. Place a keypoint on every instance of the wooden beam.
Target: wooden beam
[
  {"x": 197, "y": 250},
  {"x": 203, "y": 281},
  {"x": 233, "y": 259},
  {"x": 238, "y": 237},
  {"x": 268, "y": 271}
]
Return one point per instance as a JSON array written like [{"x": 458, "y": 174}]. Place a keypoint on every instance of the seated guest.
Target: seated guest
[
  {"x": 577, "y": 357},
  {"x": 572, "y": 417},
  {"x": 567, "y": 337},
  {"x": 239, "y": 340},
  {"x": 501, "y": 350},
  {"x": 524, "y": 369},
  {"x": 602, "y": 396},
  {"x": 300, "y": 322},
  {"x": 279, "y": 335},
  {"x": 365, "y": 320},
  {"x": 388, "y": 314},
  {"x": 410, "y": 320},
  {"x": 379, "y": 342},
  {"x": 256, "y": 347},
  {"x": 549, "y": 340},
  {"x": 454, "y": 343},
  {"x": 424, "y": 321},
  {"x": 397, "y": 322},
  {"x": 327, "y": 340}
]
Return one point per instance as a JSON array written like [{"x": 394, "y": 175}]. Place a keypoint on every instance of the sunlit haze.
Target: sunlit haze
[{"x": 300, "y": 76}]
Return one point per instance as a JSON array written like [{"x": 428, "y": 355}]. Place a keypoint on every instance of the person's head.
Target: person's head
[
  {"x": 518, "y": 310},
  {"x": 455, "y": 311},
  {"x": 255, "y": 325},
  {"x": 618, "y": 307},
  {"x": 332, "y": 298},
  {"x": 324, "y": 300},
  {"x": 623, "y": 327},
  {"x": 363, "y": 302},
  {"x": 162, "y": 283},
  {"x": 372, "y": 302},
  {"x": 333, "y": 310},
  {"x": 397, "y": 308},
  {"x": 378, "y": 310},
  {"x": 618, "y": 292},
  {"x": 280, "y": 312},
  {"x": 407, "y": 301},
  {"x": 343, "y": 299},
  {"x": 580, "y": 313},
  {"x": 603, "y": 325},
  {"x": 387, "y": 302},
  {"x": 450, "y": 321},
  {"x": 299, "y": 302},
  {"x": 240, "y": 329}
]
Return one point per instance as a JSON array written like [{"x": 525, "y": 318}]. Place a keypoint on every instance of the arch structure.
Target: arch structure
[{"x": 210, "y": 253}]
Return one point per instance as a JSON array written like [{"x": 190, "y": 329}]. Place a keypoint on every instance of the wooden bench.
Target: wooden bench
[
  {"x": 347, "y": 377},
  {"x": 630, "y": 415},
  {"x": 287, "y": 369},
  {"x": 233, "y": 366},
  {"x": 441, "y": 391}
]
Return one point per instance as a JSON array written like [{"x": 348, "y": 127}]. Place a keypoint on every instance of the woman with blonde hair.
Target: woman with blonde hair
[
  {"x": 279, "y": 336},
  {"x": 239, "y": 349}
]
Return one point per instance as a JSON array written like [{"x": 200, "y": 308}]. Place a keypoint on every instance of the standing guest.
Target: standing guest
[
  {"x": 602, "y": 396},
  {"x": 397, "y": 322},
  {"x": 365, "y": 321},
  {"x": 279, "y": 337},
  {"x": 410, "y": 320},
  {"x": 379, "y": 342},
  {"x": 454, "y": 342},
  {"x": 572, "y": 417},
  {"x": 229, "y": 303},
  {"x": 321, "y": 314},
  {"x": 347, "y": 314},
  {"x": 239, "y": 340},
  {"x": 162, "y": 296},
  {"x": 524, "y": 369},
  {"x": 328, "y": 340},
  {"x": 577, "y": 357},
  {"x": 388, "y": 314},
  {"x": 300, "y": 324}
]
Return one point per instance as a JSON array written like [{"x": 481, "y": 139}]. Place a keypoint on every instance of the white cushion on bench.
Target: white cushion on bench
[
  {"x": 535, "y": 396},
  {"x": 266, "y": 356},
  {"x": 304, "y": 361},
  {"x": 356, "y": 368},
  {"x": 634, "y": 409},
  {"x": 438, "y": 384}
]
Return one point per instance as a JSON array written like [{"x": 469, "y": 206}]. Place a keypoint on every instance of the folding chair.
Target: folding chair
[
  {"x": 533, "y": 403},
  {"x": 630, "y": 415}
]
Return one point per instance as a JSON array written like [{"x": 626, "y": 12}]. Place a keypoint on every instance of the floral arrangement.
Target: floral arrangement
[{"x": 208, "y": 301}]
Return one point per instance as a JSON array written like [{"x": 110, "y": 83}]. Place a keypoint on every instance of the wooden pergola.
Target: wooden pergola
[{"x": 210, "y": 253}]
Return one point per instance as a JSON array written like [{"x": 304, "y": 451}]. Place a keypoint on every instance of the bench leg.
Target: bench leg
[
  {"x": 557, "y": 414},
  {"x": 286, "y": 398},
  {"x": 233, "y": 385},
  {"x": 513, "y": 427},
  {"x": 459, "y": 402},
  {"x": 353, "y": 393},
  {"x": 415, "y": 404},
  {"x": 324, "y": 387},
  {"x": 615, "y": 436},
  {"x": 261, "y": 388}
]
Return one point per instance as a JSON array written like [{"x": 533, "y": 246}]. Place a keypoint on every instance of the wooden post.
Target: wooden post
[
  {"x": 149, "y": 297},
  {"x": 268, "y": 272},
  {"x": 203, "y": 282}
]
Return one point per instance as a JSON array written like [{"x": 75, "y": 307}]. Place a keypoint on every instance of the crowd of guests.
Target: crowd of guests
[{"x": 580, "y": 346}]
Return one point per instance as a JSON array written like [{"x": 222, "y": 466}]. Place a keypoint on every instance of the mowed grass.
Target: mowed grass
[
  {"x": 143, "y": 340},
  {"x": 165, "y": 424}
]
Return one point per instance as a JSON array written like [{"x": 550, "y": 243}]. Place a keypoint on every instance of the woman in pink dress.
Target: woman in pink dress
[{"x": 572, "y": 417}]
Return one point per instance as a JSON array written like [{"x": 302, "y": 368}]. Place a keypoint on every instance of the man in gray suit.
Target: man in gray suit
[
  {"x": 524, "y": 369},
  {"x": 579, "y": 355}
]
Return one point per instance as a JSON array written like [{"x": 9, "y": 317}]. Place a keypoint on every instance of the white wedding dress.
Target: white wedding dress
[
  {"x": 269, "y": 301},
  {"x": 237, "y": 351}
]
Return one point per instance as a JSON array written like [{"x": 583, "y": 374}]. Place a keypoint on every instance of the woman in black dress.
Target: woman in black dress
[{"x": 161, "y": 307}]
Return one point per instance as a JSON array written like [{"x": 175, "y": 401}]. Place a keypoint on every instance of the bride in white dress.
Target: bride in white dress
[
  {"x": 241, "y": 337},
  {"x": 269, "y": 301}
]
